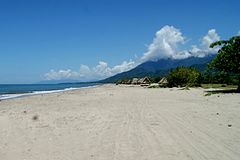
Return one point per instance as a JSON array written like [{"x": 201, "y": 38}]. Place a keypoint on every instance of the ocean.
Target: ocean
[{"x": 18, "y": 90}]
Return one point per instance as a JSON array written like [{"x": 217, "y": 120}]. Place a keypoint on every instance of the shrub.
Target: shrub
[
  {"x": 184, "y": 76},
  {"x": 155, "y": 79}
]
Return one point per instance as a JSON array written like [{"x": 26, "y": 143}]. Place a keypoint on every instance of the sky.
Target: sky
[{"x": 88, "y": 40}]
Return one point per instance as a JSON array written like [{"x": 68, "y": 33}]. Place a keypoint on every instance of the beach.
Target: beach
[{"x": 110, "y": 122}]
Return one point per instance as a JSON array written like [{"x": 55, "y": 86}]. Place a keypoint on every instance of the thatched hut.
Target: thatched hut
[
  {"x": 163, "y": 82},
  {"x": 144, "y": 81},
  {"x": 135, "y": 81},
  {"x": 125, "y": 81},
  {"x": 140, "y": 80},
  {"x": 119, "y": 82},
  {"x": 129, "y": 81}
]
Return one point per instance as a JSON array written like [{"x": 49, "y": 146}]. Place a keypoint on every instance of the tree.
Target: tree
[
  {"x": 184, "y": 76},
  {"x": 228, "y": 58},
  {"x": 216, "y": 76}
]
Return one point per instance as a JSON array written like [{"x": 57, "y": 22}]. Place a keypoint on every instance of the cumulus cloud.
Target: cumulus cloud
[
  {"x": 168, "y": 41},
  {"x": 165, "y": 45},
  {"x": 203, "y": 49},
  {"x": 57, "y": 75},
  {"x": 126, "y": 65},
  {"x": 85, "y": 73}
]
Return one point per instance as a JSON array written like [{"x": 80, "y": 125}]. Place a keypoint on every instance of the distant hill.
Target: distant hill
[{"x": 160, "y": 68}]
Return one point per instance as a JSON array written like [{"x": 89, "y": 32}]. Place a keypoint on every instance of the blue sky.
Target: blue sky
[{"x": 94, "y": 39}]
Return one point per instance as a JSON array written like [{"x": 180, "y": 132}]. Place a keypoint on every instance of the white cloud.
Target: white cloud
[
  {"x": 123, "y": 67},
  {"x": 57, "y": 75},
  {"x": 211, "y": 37},
  {"x": 169, "y": 39},
  {"x": 203, "y": 49},
  {"x": 165, "y": 45},
  {"x": 238, "y": 33},
  {"x": 85, "y": 73}
]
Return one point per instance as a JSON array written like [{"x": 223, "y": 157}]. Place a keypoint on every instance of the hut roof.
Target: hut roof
[
  {"x": 140, "y": 80},
  {"x": 144, "y": 80},
  {"x": 134, "y": 80},
  {"x": 129, "y": 81},
  {"x": 163, "y": 81}
]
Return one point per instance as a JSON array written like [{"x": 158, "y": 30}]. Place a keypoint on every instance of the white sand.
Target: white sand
[{"x": 121, "y": 123}]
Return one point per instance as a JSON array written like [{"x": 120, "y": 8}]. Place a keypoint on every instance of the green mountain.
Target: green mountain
[{"x": 160, "y": 68}]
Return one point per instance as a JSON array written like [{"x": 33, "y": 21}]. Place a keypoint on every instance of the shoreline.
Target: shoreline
[{"x": 21, "y": 95}]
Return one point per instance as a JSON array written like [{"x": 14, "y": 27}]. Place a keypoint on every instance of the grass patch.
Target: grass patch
[
  {"x": 221, "y": 86},
  {"x": 208, "y": 94}
]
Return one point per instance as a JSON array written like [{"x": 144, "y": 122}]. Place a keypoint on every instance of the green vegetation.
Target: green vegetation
[
  {"x": 223, "y": 71},
  {"x": 213, "y": 76},
  {"x": 184, "y": 76},
  {"x": 222, "y": 86},
  {"x": 155, "y": 79},
  {"x": 228, "y": 58},
  {"x": 208, "y": 94}
]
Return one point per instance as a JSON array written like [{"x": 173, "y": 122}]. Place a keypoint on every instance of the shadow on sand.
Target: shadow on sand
[{"x": 225, "y": 91}]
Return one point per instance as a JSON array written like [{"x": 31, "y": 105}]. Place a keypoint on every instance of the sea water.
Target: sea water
[{"x": 18, "y": 90}]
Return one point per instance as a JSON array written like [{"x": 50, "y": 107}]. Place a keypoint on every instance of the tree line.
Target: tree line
[{"x": 223, "y": 69}]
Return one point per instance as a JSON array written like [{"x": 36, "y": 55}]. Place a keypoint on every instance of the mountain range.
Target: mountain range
[{"x": 160, "y": 68}]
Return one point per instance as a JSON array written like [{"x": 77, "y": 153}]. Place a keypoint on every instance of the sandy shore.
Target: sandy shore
[{"x": 121, "y": 123}]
